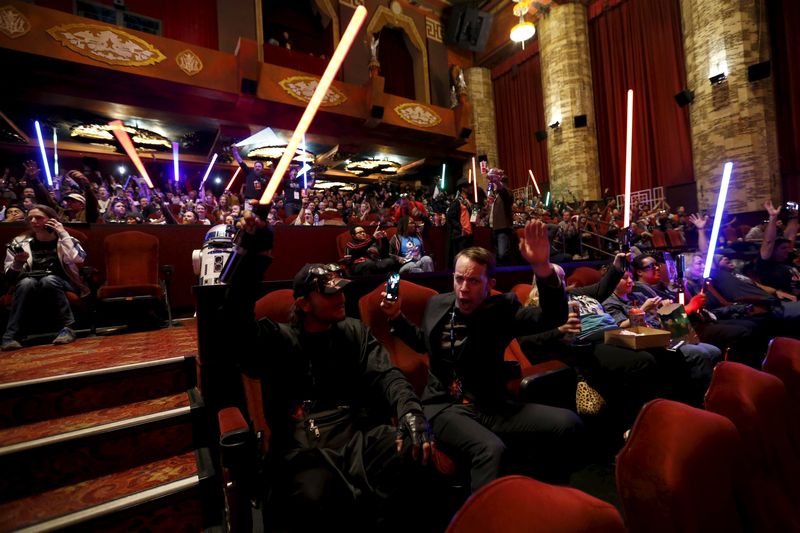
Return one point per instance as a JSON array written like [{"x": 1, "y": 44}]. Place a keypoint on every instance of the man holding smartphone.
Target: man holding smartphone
[
  {"x": 327, "y": 383},
  {"x": 465, "y": 332}
]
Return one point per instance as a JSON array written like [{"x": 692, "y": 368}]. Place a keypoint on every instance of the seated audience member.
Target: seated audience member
[
  {"x": 103, "y": 200},
  {"x": 304, "y": 218},
  {"x": 200, "y": 211},
  {"x": 625, "y": 378},
  {"x": 189, "y": 217},
  {"x": 43, "y": 262},
  {"x": 118, "y": 214},
  {"x": 698, "y": 359},
  {"x": 14, "y": 213},
  {"x": 740, "y": 336},
  {"x": 756, "y": 233},
  {"x": 465, "y": 332},
  {"x": 774, "y": 267},
  {"x": 407, "y": 245},
  {"x": 368, "y": 254},
  {"x": 331, "y": 465}
]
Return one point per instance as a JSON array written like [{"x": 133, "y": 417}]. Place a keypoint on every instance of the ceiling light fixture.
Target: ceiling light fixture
[
  {"x": 276, "y": 152},
  {"x": 522, "y": 31}
]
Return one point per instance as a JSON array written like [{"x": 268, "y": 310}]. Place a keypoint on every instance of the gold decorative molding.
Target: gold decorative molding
[
  {"x": 189, "y": 62},
  {"x": 302, "y": 88},
  {"x": 385, "y": 17},
  {"x": 352, "y": 3},
  {"x": 13, "y": 23},
  {"x": 107, "y": 44},
  {"x": 418, "y": 115},
  {"x": 326, "y": 7},
  {"x": 433, "y": 30}
]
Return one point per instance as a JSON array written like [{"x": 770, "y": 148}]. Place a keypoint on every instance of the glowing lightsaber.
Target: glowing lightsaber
[
  {"x": 628, "y": 150},
  {"x": 349, "y": 35},
  {"x": 118, "y": 129},
  {"x": 534, "y": 182},
  {"x": 44, "y": 154},
  {"x": 55, "y": 152},
  {"x": 175, "y": 169},
  {"x": 444, "y": 169},
  {"x": 547, "y": 199},
  {"x": 228, "y": 186},
  {"x": 469, "y": 175},
  {"x": 304, "y": 170},
  {"x": 475, "y": 180},
  {"x": 723, "y": 194},
  {"x": 208, "y": 171}
]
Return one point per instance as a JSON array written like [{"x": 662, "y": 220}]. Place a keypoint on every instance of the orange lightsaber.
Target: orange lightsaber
[
  {"x": 324, "y": 84},
  {"x": 118, "y": 129},
  {"x": 475, "y": 180},
  {"x": 628, "y": 150},
  {"x": 469, "y": 175},
  {"x": 534, "y": 182},
  {"x": 228, "y": 186}
]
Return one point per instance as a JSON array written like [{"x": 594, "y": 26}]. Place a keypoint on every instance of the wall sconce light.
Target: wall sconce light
[
  {"x": 555, "y": 124},
  {"x": 716, "y": 79}
]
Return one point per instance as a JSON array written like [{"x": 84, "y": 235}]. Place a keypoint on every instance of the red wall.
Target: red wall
[{"x": 193, "y": 22}]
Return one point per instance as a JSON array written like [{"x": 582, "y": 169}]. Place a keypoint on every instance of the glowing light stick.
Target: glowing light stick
[
  {"x": 444, "y": 169},
  {"x": 723, "y": 194},
  {"x": 55, "y": 152},
  {"x": 469, "y": 175},
  {"x": 175, "y": 168},
  {"x": 118, "y": 129},
  {"x": 547, "y": 200},
  {"x": 228, "y": 186},
  {"x": 534, "y": 182},
  {"x": 208, "y": 171},
  {"x": 44, "y": 154},
  {"x": 475, "y": 181},
  {"x": 324, "y": 84},
  {"x": 628, "y": 150},
  {"x": 306, "y": 168}
]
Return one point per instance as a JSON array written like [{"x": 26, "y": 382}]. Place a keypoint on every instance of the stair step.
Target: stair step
[
  {"x": 94, "y": 444},
  {"x": 44, "y": 398},
  {"x": 116, "y": 500}
]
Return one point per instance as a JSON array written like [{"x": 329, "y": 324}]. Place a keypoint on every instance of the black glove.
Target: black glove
[{"x": 415, "y": 426}]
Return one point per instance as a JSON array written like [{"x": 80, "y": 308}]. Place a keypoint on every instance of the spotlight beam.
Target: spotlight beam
[
  {"x": 324, "y": 84},
  {"x": 118, "y": 129}
]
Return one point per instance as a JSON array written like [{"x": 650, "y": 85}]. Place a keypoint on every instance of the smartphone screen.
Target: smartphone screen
[{"x": 393, "y": 286}]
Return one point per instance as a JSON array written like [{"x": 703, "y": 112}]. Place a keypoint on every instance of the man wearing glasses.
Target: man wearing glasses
[
  {"x": 465, "y": 332},
  {"x": 326, "y": 385}
]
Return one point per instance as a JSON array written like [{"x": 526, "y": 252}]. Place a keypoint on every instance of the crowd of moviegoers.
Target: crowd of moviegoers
[{"x": 329, "y": 451}]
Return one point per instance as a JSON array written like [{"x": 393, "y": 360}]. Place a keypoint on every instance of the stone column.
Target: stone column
[
  {"x": 481, "y": 96},
  {"x": 733, "y": 120},
  {"x": 567, "y": 87}
]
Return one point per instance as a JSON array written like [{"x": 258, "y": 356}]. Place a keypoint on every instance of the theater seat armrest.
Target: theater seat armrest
[
  {"x": 551, "y": 383},
  {"x": 167, "y": 270}
]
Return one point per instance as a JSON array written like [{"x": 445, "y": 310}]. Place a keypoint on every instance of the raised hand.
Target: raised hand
[
  {"x": 773, "y": 211},
  {"x": 535, "y": 246},
  {"x": 698, "y": 220}
]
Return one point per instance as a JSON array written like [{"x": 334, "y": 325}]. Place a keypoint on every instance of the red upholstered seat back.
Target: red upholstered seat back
[
  {"x": 783, "y": 361},
  {"x": 341, "y": 241},
  {"x": 659, "y": 238},
  {"x": 275, "y": 305},
  {"x": 523, "y": 291},
  {"x": 517, "y": 504},
  {"x": 757, "y": 404},
  {"x": 414, "y": 298},
  {"x": 131, "y": 259},
  {"x": 679, "y": 471},
  {"x": 584, "y": 276}
]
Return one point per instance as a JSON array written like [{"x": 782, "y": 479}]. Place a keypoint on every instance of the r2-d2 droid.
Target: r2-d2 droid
[{"x": 210, "y": 260}]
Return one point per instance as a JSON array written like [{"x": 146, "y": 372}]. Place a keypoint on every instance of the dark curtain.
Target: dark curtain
[
  {"x": 397, "y": 66},
  {"x": 784, "y": 18},
  {"x": 637, "y": 44},
  {"x": 519, "y": 113}
]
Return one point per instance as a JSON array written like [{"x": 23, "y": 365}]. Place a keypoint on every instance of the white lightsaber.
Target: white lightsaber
[
  {"x": 723, "y": 194},
  {"x": 44, "y": 154},
  {"x": 175, "y": 169},
  {"x": 208, "y": 171},
  {"x": 534, "y": 182},
  {"x": 55, "y": 152},
  {"x": 628, "y": 150},
  {"x": 547, "y": 200},
  {"x": 475, "y": 180},
  {"x": 444, "y": 169},
  {"x": 228, "y": 187},
  {"x": 349, "y": 35}
]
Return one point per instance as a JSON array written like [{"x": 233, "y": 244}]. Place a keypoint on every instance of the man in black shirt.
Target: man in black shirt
[
  {"x": 254, "y": 181},
  {"x": 773, "y": 266}
]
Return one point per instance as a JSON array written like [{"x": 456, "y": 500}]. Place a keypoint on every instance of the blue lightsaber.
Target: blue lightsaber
[
  {"x": 175, "y": 169},
  {"x": 44, "y": 154},
  {"x": 723, "y": 194}
]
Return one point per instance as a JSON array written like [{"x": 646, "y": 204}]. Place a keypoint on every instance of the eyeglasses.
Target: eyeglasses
[
  {"x": 652, "y": 266},
  {"x": 471, "y": 282}
]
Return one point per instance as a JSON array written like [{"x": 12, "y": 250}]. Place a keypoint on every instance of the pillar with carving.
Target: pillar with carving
[
  {"x": 732, "y": 119},
  {"x": 481, "y": 95},
  {"x": 567, "y": 88}
]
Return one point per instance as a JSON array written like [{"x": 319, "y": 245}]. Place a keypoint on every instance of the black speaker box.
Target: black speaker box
[
  {"x": 684, "y": 98},
  {"x": 540, "y": 135},
  {"x": 468, "y": 28},
  {"x": 465, "y": 133},
  {"x": 759, "y": 71},
  {"x": 580, "y": 121},
  {"x": 376, "y": 112}
]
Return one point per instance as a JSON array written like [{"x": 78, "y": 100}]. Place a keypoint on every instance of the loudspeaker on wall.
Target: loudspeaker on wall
[
  {"x": 580, "y": 121},
  {"x": 759, "y": 71},
  {"x": 540, "y": 135},
  {"x": 684, "y": 98}
]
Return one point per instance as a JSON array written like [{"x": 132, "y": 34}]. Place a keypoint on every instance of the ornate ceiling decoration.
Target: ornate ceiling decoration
[
  {"x": 13, "y": 23},
  {"x": 302, "y": 88},
  {"x": 418, "y": 115},
  {"x": 107, "y": 44}
]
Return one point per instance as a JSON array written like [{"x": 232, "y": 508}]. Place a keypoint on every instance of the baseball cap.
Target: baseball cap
[
  {"x": 75, "y": 196},
  {"x": 318, "y": 277}
]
